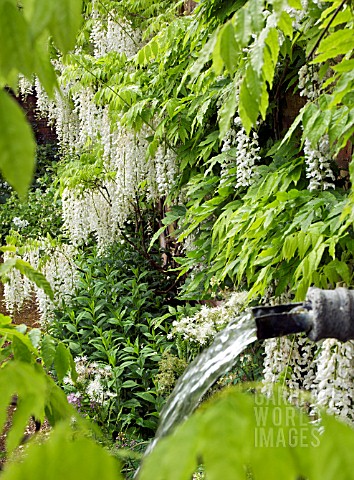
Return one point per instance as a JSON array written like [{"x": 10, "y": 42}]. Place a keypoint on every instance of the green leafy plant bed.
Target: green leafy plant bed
[{"x": 116, "y": 329}]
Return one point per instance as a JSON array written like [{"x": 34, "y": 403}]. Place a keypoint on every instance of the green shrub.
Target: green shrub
[
  {"x": 40, "y": 215},
  {"x": 117, "y": 319}
]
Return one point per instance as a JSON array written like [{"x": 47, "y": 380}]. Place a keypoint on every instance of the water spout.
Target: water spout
[{"x": 324, "y": 314}]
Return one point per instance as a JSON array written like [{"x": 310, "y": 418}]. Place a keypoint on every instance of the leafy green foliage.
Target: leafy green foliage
[
  {"x": 22, "y": 375},
  {"x": 64, "y": 453},
  {"x": 40, "y": 216},
  {"x": 15, "y": 153},
  {"x": 24, "y": 31},
  {"x": 117, "y": 318},
  {"x": 258, "y": 435}
]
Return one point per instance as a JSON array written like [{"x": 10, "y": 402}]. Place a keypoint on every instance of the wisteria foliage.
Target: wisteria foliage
[{"x": 145, "y": 157}]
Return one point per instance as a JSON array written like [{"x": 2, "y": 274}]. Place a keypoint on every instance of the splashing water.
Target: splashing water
[{"x": 204, "y": 371}]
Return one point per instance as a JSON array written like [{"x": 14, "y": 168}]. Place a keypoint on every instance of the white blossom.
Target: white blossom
[
  {"x": 246, "y": 156},
  {"x": 318, "y": 165},
  {"x": 204, "y": 325}
]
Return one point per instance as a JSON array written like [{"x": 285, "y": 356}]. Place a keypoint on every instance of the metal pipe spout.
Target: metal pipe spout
[{"x": 324, "y": 314}]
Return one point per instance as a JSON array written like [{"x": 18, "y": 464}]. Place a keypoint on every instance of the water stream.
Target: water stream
[{"x": 204, "y": 371}]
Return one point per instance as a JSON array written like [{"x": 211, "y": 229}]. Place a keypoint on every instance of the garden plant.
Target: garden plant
[{"x": 202, "y": 166}]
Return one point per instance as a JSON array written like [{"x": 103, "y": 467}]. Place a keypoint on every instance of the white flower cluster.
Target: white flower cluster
[
  {"x": 88, "y": 213},
  {"x": 20, "y": 223},
  {"x": 204, "y": 325},
  {"x": 247, "y": 154},
  {"x": 88, "y": 116},
  {"x": 165, "y": 169},
  {"x": 110, "y": 34},
  {"x": 324, "y": 370},
  {"x": 60, "y": 113},
  {"x": 277, "y": 353},
  {"x": 334, "y": 383},
  {"x": 318, "y": 169},
  {"x": 92, "y": 380},
  {"x": 309, "y": 81},
  {"x": 102, "y": 211},
  {"x": 80, "y": 123},
  {"x": 57, "y": 266},
  {"x": 298, "y": 15},
  {"x": 25, "y": 87},
  {"x": 17, "y": 289}
]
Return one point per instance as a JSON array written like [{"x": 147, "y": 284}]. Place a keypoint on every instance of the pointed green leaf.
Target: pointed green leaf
[
  {"x": 61, "y": 362},
  {"x": 229, "y": 49},
  {"x": 337, "y": 43},
  {"x": 21, "y": 351},
  {"x": 15, "y": 42},
  {"x": 250, "y": 98},
  {"x": 48, "y": 345},
  {"x": 37, "y": 277},
  {"x": 17, "y": 145},
  {"x": 65, "y": 23},
  {"x": 227, "y": 112},
  {"x": 243, "y": 28}
]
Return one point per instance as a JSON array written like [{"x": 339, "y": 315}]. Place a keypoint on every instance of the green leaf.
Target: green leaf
[
  {"x": 65, "y": 23},
  {"x": 227, "y": 112},
  {"x": 43, "y": 13},
  {"x": 44, "y": 68},
  {"x": 250, "y": 98},
  {"x": 37, "y": 277},
  {"x": 17, "y": 145},
  {"x": 337, "y": 43},
  {"x": 243, "y": 28},
  {"x": 30, "y": 386},
  {"x": 146, "y": 396},
  {"x": 5, "y": 320},
  {"x": 16, "y": 47},
  {"x": 62, "y": 362},
  {"x": 48, "y": 347},
  {"x": 229, "y": 49},
  {"x": 285, "y": 23},
  {"x": 65, "y": 454},
  {"x": 21, "y": 351},
  {"x": 290, "y": 247},
  {"x": 129, "y": 384}
]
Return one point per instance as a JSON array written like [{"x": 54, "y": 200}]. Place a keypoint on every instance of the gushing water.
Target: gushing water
[{"x": 204, "y": 371}]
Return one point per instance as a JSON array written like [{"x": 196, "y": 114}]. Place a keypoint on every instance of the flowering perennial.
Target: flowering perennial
[{"x": 204, "y": 325}]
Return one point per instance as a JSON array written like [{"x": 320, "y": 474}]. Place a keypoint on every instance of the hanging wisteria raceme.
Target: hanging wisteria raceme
[
  {"x": 324, "y": 370},
  {"x": 277, "y": 354},
  {"x": 17, "y": 289},
  {"x": 246, "y": 154},
  {"x": 89, "y": 117},
  {"x": 165, "y": 168},
  {"x": 86, "y": 213},
  {"x": 82, "y": 126},
  {"x": 333, "y": 385},
  {"x": 61, "y": 115},
  {"x": 56, "y": 264},
  {"x": 318, "y": 165},
  {"x": 317, "y": 157},
  {"x": 112, "y": 34}
]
